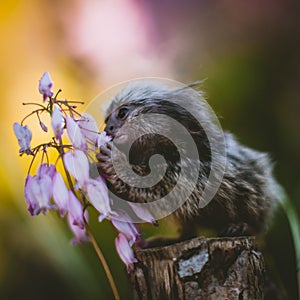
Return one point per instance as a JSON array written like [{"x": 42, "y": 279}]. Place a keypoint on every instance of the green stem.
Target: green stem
[
  {"x": 295, "y": 229},
  {"x": 59, "y": 91},
  {"x": 61, "y": 152},
  {"x": 34, "y": 156},
  {"x": 32, "y": 113},
  {"x": 32, "y": 103},
  {"x": 92, "y": 238},
  {"x": 103, "y": 262}
]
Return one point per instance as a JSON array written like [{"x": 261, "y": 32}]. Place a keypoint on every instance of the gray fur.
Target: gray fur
[{"x": 247, "y": 195}]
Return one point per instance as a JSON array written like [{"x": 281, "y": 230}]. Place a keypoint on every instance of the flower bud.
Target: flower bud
[
  {"x": 125, "y": 252},
  {"x": 24, "y": 136},
  {"x": 45, "y": 85},
  {"x": 57, "y": 122},
  {"x": 43, "y": 126}
]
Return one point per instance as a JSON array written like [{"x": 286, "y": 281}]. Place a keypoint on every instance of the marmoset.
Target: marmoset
[{"x": 246, "y": 197}]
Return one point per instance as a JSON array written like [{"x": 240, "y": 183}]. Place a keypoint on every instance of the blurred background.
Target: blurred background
[{"x": 247, "y": 50}]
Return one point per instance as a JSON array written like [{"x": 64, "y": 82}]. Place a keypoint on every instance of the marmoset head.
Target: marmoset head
[{"x": 143, "y": 114}]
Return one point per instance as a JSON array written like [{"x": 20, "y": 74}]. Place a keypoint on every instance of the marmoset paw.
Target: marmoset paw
[{"x": 104, "y": 158}]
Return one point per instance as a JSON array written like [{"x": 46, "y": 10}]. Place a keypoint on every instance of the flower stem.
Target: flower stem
[
  {"x": 103, "y": 262},
  {"x": 91, "y": 236}
]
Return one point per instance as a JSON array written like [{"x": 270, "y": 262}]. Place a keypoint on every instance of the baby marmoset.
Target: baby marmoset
[{"x": 246, "y": 196}]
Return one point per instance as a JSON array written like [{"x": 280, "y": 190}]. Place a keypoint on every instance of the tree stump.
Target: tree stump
[{"x": 201, "y": 268}]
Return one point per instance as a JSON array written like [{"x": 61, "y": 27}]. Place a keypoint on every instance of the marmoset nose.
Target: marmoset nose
[{"x": 110, "y": 129}]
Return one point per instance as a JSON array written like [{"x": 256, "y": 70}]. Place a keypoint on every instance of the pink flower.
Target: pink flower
[
  {"x": 128, "y": 229},
  {"x": 125, "y": 252},
  {"x": 57, "y": 122},
  {"x": 75, "y": 210},
  {"x": 98, "y": 196},
  {"x": 142, "y": 213},
  {"x": 38, "y": 193},
  {"x": 78, "y": 165},
  {"x": 45, "y": 85},
  {"x": 76, "y": 137},
  {"x": 102, "y": 139},
  {"x": 60, "y": 194},
  {"x": 79, "y": 233},
  {"x": 125, "y": 225},
  {"x": 24, "y": 136},
  {"x": 88, "y": 127},
  {"x": 33, "y": 206}
]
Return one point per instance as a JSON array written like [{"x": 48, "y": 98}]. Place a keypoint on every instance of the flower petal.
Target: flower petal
[
  {"x": 89, "y": 127},
  {"x": 45, "y": 85},
  {"x": 128, "y": 229},
  {"x": 78, "y": 165},
  {"x": 76, "y": 210},
  {"x": 33, "y": 206},
  {"x": 60, "y": 194},
  {"x": 57, "y": 122},
  {"x": 76, "y": 137},
  {"x": 142, "y": 213},
  {"x": 24, "y": 136},
  {"x": 125, "y": 252},
  {"x": 79, "y": 233},
  {"x": 98, "y": 196},
  {"x": 102, "y": 139},
  {"x": 45, "y": 185},
  {"x": 39, "y": 191},
  {"x": 45, "y": 169}
]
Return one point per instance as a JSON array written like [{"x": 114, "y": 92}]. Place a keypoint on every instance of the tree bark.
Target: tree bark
[{"x": 214, "y": 268}]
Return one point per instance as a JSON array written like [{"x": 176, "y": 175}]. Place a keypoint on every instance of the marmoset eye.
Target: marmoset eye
[{"x": 123, "y": 112}]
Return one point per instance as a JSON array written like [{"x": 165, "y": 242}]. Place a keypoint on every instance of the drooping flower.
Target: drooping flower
[
  {"x": 128, "y": 229},
  {"x": 57, "y": 122},
  {"x": 38, "y": 193},
  {"x": 33, "y": 206},
  {"x": 102, "y": 139},
  {"x": 142, "y": 213},
  {"x": 24, "y": 136},
  {"x": 60, "y": 194},
  {"x": 45, "y": 85},
  {"x": 98, "y": 195},
  {"x": 125, "y": 252},
  {"x": 76, "y": 137},
  {"x": 78, "y": 165},
  {"x": 79, "y": 233},
  {"x": 75, "y": 210},
  {"x": 88, "y": 127}
]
